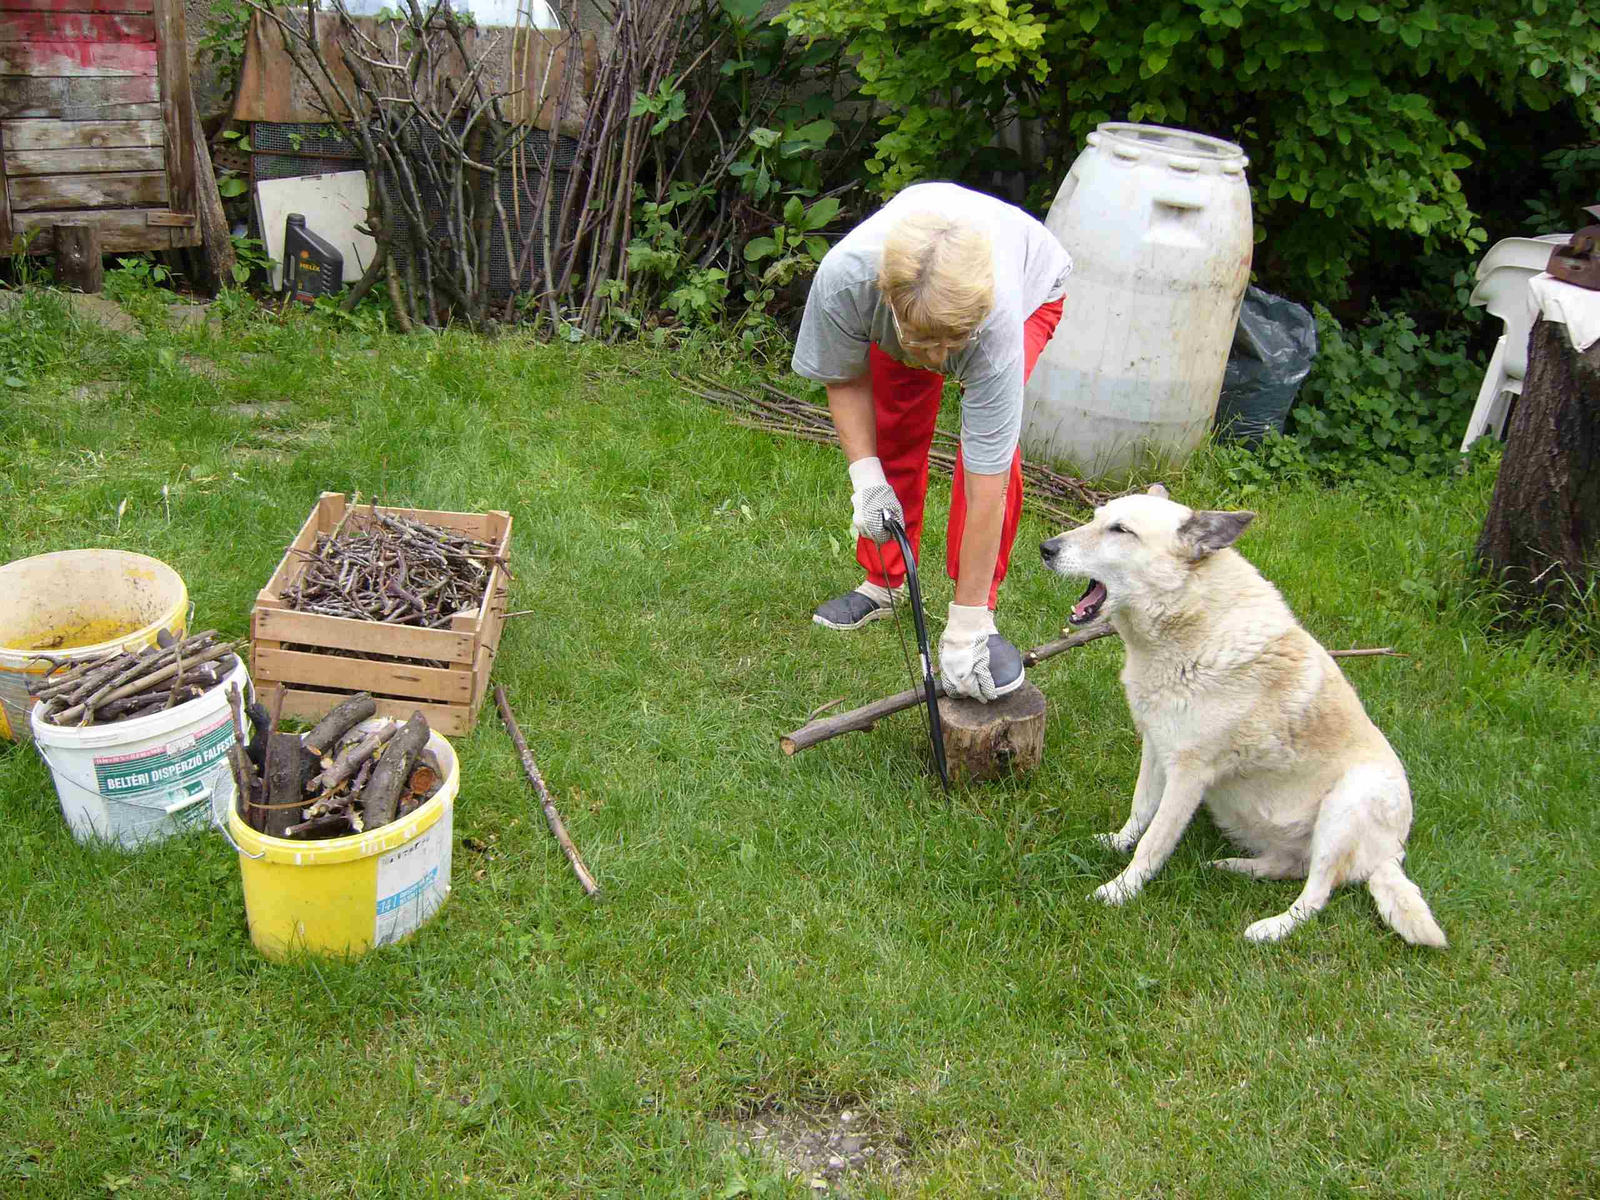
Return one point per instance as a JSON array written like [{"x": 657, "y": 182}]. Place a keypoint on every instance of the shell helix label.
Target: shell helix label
[
  {"x": 157, "y": 776},
  {"x": 413, "y": 882}
]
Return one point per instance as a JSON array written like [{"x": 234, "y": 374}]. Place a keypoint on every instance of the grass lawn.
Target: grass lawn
[{"x": 782, "y": 939}]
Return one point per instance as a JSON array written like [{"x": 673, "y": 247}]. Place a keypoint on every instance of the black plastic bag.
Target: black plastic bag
[{"x": 1274, "y": 344}]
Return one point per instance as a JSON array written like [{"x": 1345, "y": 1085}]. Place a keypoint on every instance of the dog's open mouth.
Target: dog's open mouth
[{"x": 1088, "y": 606}]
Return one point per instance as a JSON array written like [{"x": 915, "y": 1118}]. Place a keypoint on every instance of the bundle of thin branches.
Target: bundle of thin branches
[
  {"x": 413, "y": 95},
  {"x": 385, "y": 567},
  {"x": 134, "y": 684},
  {"x": 584, "y": 235},
  {"x": 777, "y": 411}
]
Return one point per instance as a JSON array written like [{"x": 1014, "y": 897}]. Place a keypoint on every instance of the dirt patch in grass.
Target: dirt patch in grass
[{"x": 826, "y": 1150}]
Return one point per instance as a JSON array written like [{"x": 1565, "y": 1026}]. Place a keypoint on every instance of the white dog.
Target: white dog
[{"x": 1241, "y": 709}]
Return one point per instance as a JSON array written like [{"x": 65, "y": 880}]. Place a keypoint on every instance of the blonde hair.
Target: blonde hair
[{"x": 938, "y": 274}]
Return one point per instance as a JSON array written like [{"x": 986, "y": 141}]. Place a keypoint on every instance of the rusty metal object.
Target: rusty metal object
[{"x": 1578, "y": 262}]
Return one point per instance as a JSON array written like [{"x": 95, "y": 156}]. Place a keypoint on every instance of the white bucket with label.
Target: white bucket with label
[{"x": 138, "y": 781}]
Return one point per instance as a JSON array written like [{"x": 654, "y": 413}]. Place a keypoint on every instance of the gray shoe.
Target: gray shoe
[
  {"x": 850, "y": 611},
  {"x": 1005, "y": 666}
]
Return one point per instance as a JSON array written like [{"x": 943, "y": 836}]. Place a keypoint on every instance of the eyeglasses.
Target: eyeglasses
[{"x": 946, "y": 344}]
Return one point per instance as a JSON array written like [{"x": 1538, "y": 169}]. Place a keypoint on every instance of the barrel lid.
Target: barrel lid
[{"x": 1179, "y": 149}]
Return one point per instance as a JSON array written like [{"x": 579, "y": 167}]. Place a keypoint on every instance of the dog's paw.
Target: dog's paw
[
  {"x": 1117, "y": 843},
  {"x": 1118, "y": 891},
  {"x": 1272, "y": 929}
]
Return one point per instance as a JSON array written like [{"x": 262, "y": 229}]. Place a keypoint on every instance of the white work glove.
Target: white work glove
[
  {"x": 964, "y": 652},
  {"x": 873, "y": 501}
]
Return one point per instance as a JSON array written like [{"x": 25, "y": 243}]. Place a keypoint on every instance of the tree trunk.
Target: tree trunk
[
  {"x": 78, "y": 260},
  {"x": 986, "y": 741},
  {"x": 211, "y": 262},
  {"x": 1542, "y": 532}
]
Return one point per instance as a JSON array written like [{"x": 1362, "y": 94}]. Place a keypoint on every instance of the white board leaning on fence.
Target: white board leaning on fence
[{"x": 333, "y": 205}]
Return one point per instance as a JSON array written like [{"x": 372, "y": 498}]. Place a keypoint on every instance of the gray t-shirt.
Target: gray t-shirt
[{"x": 845, "y": 313}]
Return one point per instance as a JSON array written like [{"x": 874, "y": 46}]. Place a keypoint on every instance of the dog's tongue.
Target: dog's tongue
[{"x": 1095, "y": 595}]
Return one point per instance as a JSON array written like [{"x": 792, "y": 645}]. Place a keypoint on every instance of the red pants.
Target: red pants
[{"x": 906, "y": 404}]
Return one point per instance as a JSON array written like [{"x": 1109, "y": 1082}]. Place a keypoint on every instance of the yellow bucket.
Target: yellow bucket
[
  {"x": 345, "y": 896},
  {"x": 82, "y": 603}
]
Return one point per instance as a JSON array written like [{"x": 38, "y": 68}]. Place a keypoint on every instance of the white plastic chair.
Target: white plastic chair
[{"x": 1502, "y": 287}]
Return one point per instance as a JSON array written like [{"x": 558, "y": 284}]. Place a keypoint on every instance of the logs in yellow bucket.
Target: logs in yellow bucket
[
  {"x": 344, "y": 896},
  {"x": 82, "y": 604}
]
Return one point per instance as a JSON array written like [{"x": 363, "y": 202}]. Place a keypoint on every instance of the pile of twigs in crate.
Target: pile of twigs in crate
[
  {"x": 350, "y": 774},
  {"x": 377, "y": 566},
  {"x": 172, "y": 672}
]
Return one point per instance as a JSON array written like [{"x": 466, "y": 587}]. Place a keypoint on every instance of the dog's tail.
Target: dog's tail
[{"x": 1402, "y": 907}]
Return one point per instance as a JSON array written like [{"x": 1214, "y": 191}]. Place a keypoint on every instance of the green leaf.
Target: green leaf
[
  {"x": 758, "y": 248},
  {"x": 1538, "y": 67},
  {"x": 817, "y": 247},
  {"x": 1089, "y": 19},
  {"x": 820, "y": 213},
  {"x": 794, "y": 212},
  {"x": 743, "y": 10}
]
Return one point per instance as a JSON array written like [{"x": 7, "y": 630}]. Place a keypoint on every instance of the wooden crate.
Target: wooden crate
[{"x": 312, "y": 682}]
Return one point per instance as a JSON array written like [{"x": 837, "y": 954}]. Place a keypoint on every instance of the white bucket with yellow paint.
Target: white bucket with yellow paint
[
  {"x": 82, "y": 604},
  {"x": 347, "y": 895}
]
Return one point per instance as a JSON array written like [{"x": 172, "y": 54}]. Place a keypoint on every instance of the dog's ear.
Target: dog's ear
[
  {"x": 1208, "y": 531},
  {"x": 1156, "y": 490}
]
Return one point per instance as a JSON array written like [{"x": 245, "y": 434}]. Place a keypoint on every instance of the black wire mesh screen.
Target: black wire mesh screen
[{"x": 519, "y": 187}]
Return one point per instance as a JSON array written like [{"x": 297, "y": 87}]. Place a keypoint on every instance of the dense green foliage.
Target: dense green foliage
[
  {"x": 1385, "y": 394},
  {"x": 1358, "y": 116}
]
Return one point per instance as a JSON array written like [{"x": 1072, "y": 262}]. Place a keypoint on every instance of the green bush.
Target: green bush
[
  {"x": 1383, "y": 394},
  {"x": 1356, "y": 115}
]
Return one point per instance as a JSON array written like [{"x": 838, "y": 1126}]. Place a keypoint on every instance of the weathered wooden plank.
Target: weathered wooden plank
[
  {"x": 121, "y": 229},
  {"x": 65, "y": 6},
  {"x": 176, "y": 107},
  {"x": 359, "y": 674},
  {"x": 362, "y": 637},
  {"x": 7, "y": 232},
  {"x": 127, "y": 188},
  {"x": 132, "y": 97},
  {"x": 77, "y": 162},
  {"x": 77, "y": 27},
  {"x": 177, "y": 220},
  {"x": 299, "y": 704},
  {"x": 81, "y": 135},
  {"x": 78, "y": 58}
]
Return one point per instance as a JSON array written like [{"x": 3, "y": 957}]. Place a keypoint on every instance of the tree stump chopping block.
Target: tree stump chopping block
[{"x": 985, "y": 741}]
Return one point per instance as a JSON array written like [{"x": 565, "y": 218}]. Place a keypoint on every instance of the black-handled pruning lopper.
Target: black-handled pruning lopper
[{"x": 930, "y": 686}]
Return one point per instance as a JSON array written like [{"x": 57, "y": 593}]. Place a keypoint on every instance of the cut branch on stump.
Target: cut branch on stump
[{"x": 859, "y": 720}]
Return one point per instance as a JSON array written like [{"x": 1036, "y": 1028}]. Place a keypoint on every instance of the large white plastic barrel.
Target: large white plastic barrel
[{"x": 1158, "y": 224}]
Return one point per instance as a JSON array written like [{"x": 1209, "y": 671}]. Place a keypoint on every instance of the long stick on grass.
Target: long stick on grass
[
  {"x": 550, "y": 814},
  {"x": 859, "y": 720}
]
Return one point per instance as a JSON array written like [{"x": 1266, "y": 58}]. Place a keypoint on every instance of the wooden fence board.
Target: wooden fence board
[
  {"x": 77, "y": 27},
  {"x": 78, "y": 58},
  {"x": 21, "y": 163},
  {"x": 74, "y": 6},
  {"x": 120, "y": 229},
  {"x": 128, "y": 188},
  {"x": 135, "y": 97},
  {"x": 80, "y": 135}
]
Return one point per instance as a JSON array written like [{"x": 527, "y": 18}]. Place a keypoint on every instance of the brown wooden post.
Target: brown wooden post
[
  {"x": 1541, "y": 535},
  {"x": 214, "y": 257},
  {"x": 78, "y": 258}
]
